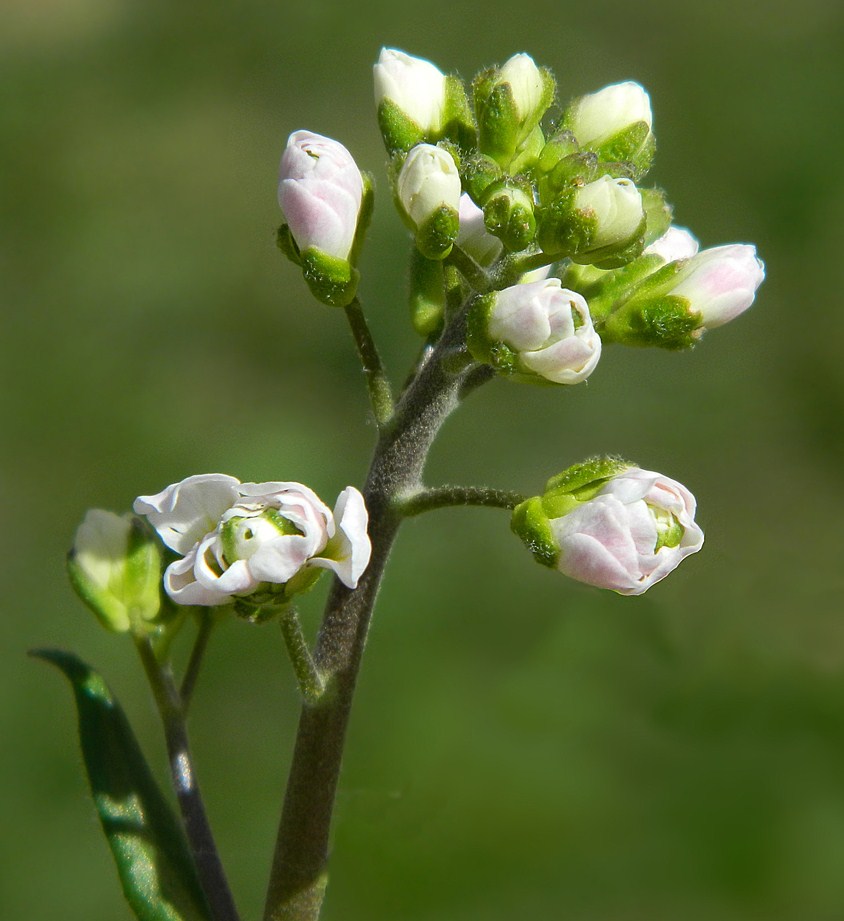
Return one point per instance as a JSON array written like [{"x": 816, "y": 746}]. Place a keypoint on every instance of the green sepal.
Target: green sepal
[
  {"x": 478, "y": 173},
  {"x": 615, "y": 258},
  {"x": 367, "y": 205},
  {"x": 501, "y": 132},
  {"x": 270, "y": 598},
  {"x": 459, "y": 120},
  {"x": 562, "y": 229},
  {"x": 530, "y": 523},
  {"x": 332, "y": 281},
  {"x": 574, "y": 170},
  {"x": 658, "y": 213},
  {"x": 560, "y": 145},
  {"x": 427, "y": 294},
  {"x": 154, "y": 863},
  {"x": 635, "y": 144},
  {"x": 285, "y": 242},
  {"x": 604, "y": 290},
  {"x": 399, "y": 131},
  {"x": 435, "y": 238},
  {"x": 586, "y": 479},
  {"x": 508, "y": 215},
  {"x": 527, "y": 153},
  {"x": 666, "y": 322}
]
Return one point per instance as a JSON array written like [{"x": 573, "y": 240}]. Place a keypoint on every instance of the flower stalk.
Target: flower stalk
[{"x": 171, "y": 708}]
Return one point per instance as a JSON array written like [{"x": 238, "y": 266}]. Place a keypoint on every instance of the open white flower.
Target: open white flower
[{"x": 236, "y": 538}]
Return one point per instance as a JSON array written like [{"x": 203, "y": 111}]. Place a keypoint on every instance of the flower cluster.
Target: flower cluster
[
  {"x": 489, "y": 170},
  {"x": 259, "y": 541}
]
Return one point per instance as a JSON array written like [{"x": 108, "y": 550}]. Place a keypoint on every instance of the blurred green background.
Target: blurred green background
[{"x": 521, "y": 746}]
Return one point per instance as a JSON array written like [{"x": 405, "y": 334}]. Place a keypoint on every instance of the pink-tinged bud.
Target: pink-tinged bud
[
  {"x": 536, "y": 332},
  {"x": 320, "y": 192},
  {"x": 720, "y": 283},
  {"x": 632, "y": 534},
  {"x": 611, "y": 525}
]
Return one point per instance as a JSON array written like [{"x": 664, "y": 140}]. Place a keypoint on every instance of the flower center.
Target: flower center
[
  {"x": 242, "y": 537},
  {"x": 669, "y": 531}
]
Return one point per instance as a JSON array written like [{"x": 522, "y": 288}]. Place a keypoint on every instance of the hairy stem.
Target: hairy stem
[
  {"x": 427, "y": 500},
  {"x": 300, "y": 865},
  {"x": 212, "y": 877},
  {"x": 311, "y": 682},
  {"x": 380, "y": 392}
]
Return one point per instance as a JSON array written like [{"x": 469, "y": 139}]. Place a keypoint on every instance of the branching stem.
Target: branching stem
[
  {"x": 427, "y": 500},
  {"x": 300, "y": 864},
  {"x": 206, "y": 625}
]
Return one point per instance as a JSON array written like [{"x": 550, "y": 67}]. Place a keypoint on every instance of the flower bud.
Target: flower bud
[
  {"x": 720, "y": 283},
  {"x": 428, "y": 191},
  {"x": 115, "y": 568},
  {"x": 322, "y": 194},
  {"x": 508, "y": 214},
  {"x": 610, "y": 524},
  {"x": 473, "y": 237},
  {"x": 602, "y": 222},
  {"x": 674, "y": 305},
  {"x": 410, "y": 94},
  {"x": 510, "y": 102},
  {"x": 535, "y": 332},
  {"x": 257, "y": 543},
  {"x": 616, "y": 123}
]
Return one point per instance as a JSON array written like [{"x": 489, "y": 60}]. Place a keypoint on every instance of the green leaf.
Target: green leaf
[{"x": 153, "y": 861}]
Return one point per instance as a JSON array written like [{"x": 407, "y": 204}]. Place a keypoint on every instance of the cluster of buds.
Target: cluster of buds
[{"x": 575, "y": 254}]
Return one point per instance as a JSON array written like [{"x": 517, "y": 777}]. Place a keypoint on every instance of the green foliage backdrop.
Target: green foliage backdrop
[{"x": 517, "y": 740}]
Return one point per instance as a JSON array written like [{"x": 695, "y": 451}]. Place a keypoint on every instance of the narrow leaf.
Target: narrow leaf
[{"x": 153, "y": 860}]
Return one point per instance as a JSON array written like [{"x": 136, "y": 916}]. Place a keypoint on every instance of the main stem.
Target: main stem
[{"x": 299, "y": 871}]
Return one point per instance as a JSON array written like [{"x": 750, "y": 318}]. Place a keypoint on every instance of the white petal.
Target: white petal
[{"x": 185, "y": 511}]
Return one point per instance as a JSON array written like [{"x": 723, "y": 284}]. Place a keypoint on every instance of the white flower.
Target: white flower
[
  {"x": 116, "y": 569},
  {"x": 632, "y": 534},
  {"x": 526, "y": 84},
  {"x": 415, "y": 85},
  {"x": 473, "y": 237},
  {"x": 616, "y": 207},
  {"x": 236, "y": 537},
  {"x": 320, "y": 192},
  {"x": 675, "y": 244},
  {"x": 429, "y": 180},
  {"x": 720, "y": 283},
  {"x": 549, "y": 328},
  {"x": 598, "y": 117}
]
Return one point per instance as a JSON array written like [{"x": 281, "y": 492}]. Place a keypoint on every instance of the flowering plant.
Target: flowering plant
[{"x": 535, "y": 245}]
